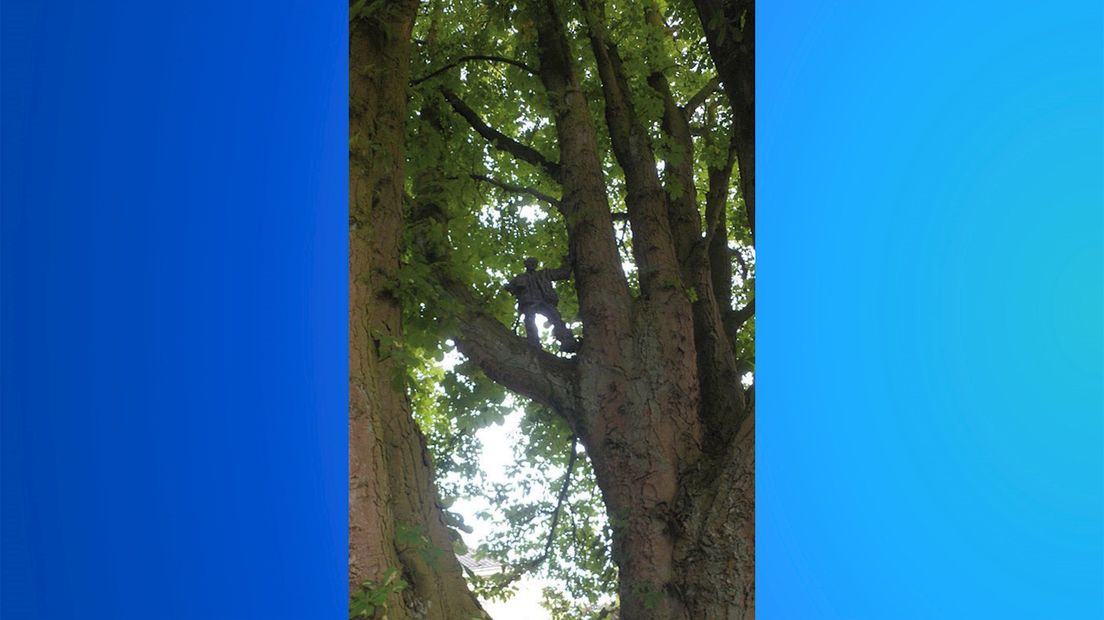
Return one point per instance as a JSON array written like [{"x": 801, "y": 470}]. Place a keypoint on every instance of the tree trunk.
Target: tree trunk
[
  {"x": 398, "y": 540},
  {"x": 715, "y": 553},
  {"x": 683, "y": 519}
]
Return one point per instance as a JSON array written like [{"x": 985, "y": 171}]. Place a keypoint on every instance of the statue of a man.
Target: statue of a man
[{"x": 535, "y": 295}]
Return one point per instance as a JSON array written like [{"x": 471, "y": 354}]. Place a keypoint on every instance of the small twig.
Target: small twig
[
  {"x": 560, "y": 501},
  {"x": 517, "y": 189},
  {"x": 464, "y": 59},
  {"x": 738, "y": 317},
  {"x": 564, "y": 488},
  {"x": 744, "y": 270},
  {"x": 621, "y": 217}
]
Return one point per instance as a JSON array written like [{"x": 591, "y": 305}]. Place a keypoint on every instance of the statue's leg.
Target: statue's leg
[
  {"x": 563, "y": 333},
  {"x": 531, "y": 333}
]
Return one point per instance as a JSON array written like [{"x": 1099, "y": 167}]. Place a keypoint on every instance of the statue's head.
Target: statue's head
[{"x": 530, "y": 264}]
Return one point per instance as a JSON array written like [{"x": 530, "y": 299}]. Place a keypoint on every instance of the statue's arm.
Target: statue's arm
[{"x": 563, "y": 272}]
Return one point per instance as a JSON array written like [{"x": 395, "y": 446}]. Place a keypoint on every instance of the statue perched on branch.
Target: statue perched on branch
[{"x": 536, "y": 295}]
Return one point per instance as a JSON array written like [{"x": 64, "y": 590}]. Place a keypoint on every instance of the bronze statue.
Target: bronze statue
[{"x": 535, "y": 294}]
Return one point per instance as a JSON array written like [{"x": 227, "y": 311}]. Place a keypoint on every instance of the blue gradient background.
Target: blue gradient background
[
  {"x": 173, "y": 310},
  {"x": 930, "y": 278}
]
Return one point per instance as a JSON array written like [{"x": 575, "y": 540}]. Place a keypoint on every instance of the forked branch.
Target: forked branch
[{"x": 654, "y": 249}]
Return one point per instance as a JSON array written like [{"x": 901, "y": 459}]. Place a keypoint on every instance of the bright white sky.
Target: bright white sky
[
  {"x": 498, "y": 453},
  {"x": 498, "y": 441}
]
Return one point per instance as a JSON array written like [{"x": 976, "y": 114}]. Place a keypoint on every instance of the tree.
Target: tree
[
  {"x": 400, "y": 558},
  {"x": 579, "y": 106}
]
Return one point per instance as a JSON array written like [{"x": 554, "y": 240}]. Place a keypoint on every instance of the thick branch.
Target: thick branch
[
  {"x": 604, "y": 297},
  {"x": 500, "y": 140},
  {"x": 518, "y": 189},
  {"x": 730, "y": 32},
  {"x": 722, "y": 402},
  {"x": 653, "y": 247},
  {"x": 682, "y": 197},
  {"x": 464, "y": 59},
  {"x": 716, "y": 236},
  {"x": 510, "y": 360}
]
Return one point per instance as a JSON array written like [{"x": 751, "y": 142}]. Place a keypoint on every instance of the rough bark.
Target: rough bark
[
  {"x": 715, "y": 552},
  {"x": 395, "y": 522}
]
